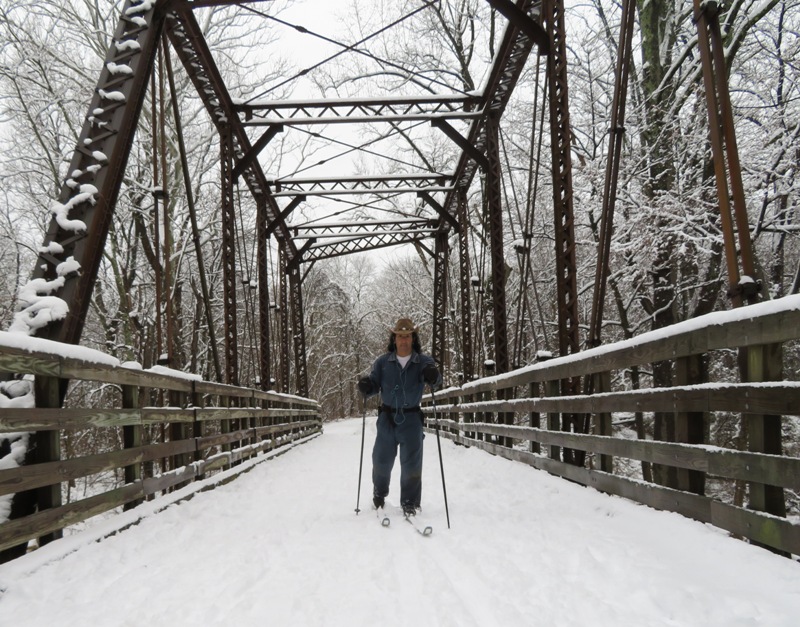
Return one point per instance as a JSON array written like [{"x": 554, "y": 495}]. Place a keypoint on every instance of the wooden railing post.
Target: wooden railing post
[
  {"x": 534, "y": 417},
  {"x": 47, "y": 448},
  {"x": 690, "y": 427},
  {"x": 553, "y": 388},
  {"x": 602, "y": 421},
  {"x": 765, "y": 363},
  {"x": 469, "y": 418},
  {"x": 131, "y": 438}
]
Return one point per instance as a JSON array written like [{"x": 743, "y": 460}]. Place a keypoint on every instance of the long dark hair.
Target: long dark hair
[{"x": 415, "y": 345}]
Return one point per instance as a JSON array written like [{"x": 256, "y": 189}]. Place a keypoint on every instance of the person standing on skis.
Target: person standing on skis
[{"x": 400, "y": 375}]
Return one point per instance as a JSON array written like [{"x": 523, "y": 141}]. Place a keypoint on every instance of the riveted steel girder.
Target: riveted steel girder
[
  {"x": 566, "y": 270},
  {"x": 365, "y": 236},
  {"x": 361, "y": 184},
  {"x": 189, "y": 43},
  {"x": 348, "y": 110},
  {"x": 510, "y": 59},
  {"x": 82, "y": 216},
  {"x": 262, "y": 252},
  {"x": 227, "y": 224},
  {"x": 494, "y": 207},
  {"x": 441, "y": 259},
  {"x": 283, "y": 301},
  {"x": 468, "y": 363}
]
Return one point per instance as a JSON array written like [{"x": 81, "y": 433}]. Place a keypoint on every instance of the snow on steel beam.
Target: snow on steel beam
[{"x": 56, "y": 301}]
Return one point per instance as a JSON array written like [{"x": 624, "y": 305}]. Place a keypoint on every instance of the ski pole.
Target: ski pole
[
  {"x": 361, "y": 459},
  {"x": 441, "y": 463}
]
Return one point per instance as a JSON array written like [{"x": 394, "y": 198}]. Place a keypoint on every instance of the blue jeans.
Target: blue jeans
[{"x": 408, "y": 435}]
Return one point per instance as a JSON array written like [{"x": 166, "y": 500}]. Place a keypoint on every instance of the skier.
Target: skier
[{"x": 400, "y": 376}]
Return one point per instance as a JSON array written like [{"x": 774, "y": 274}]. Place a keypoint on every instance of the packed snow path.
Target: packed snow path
[{"x": 281, "y": 545}]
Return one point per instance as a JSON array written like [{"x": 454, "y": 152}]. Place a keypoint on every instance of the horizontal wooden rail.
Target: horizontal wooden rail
[
  {"x": 203, "y": 427},
  {"x": 521, "y": 415}
]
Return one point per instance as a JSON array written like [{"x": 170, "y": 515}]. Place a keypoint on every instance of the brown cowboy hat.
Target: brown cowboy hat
[{"x": 404, "y": 326}]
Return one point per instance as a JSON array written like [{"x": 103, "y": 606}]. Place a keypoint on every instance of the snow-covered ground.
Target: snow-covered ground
[{"x": 281, "y": 545}]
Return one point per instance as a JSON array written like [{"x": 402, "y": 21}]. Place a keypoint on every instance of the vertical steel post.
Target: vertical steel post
[
  {"x": 298, "y": 330},
  {"x": 441, "y": 257},
  {"x": 566, "y": 266},
  {"x": 263, "y": 292},
  {"x": 495, "y": 209},
  {"x": 284, "y": 317},
  {"x": 468, "y": 363},
  {"x": 228, "y": 224}
]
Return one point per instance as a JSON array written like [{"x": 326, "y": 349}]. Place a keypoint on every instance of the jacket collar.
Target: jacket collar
[{"x": 414, "y": 356}]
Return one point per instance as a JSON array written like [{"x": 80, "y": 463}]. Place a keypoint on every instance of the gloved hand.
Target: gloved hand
[
  {"x": 365, "y": 385},
  {"x": 430, "y": 374}
]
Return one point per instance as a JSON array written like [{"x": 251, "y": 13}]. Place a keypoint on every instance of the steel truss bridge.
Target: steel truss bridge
[{"x": 149, "y": 30}]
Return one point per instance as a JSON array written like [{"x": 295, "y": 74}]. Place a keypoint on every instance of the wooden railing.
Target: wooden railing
[
  {"x": 505, "y": 414},
  {"x": 162, "y": 430}
]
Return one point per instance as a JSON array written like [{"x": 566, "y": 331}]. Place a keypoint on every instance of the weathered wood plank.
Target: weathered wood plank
[
  {"x": 769, "y": 398},
  {"x": 768, "y": 530},
  {"x": 21, "y": 478},
  {"x": 157, "y": 415},
  {"x": 48, "y": 521},
  {"x": 35, "y": 419},
  {"x": 768, "y": 469},
  {"x": 151, "y": 485},
  {"x": 271, "y": 429},
  {"x": 208, "y": 441}
]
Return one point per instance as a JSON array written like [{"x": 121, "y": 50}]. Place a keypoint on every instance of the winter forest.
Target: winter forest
[{"x": 666, "y": 260}]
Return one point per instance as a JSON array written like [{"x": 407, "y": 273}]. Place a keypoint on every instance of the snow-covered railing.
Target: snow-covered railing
[
  {"x": 161, "y": 429},
  {"x": 520, "y": 415}
]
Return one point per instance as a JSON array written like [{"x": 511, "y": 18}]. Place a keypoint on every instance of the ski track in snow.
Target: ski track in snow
[{"x": 281, "y": 545}]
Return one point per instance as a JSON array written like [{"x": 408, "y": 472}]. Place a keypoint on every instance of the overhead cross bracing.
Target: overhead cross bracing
[{"x": 400, "y": 143}]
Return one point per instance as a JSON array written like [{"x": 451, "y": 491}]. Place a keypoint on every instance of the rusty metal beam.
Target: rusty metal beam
[
  {"x": 366, "y": 108},
  {"x": 189, "y": 43},
  {"x": 445, "y": 215},
  {"x": 563, "y": 214},
  {"x": 510, "y": 59},
  {"x": 362, "y": 243},
  {"x": 262, "y": 252},
  {"x": 228, "y": 223},
  {"x": 467, "y": 359},
  {"x": 358, "y": 183},
  {"x": 523, "y": 21},
  {"x": 566, "y": 270},
  {"x": 298, "y": 330},
  {"x": 727, "y": 169},
  {"x": 440, "y": 264},
  {"x": 86, "y": 203},
  {"x": 494, "y": 207},
  {"x": 616, "y": 136},
  {"x": 283, "y": 310}
]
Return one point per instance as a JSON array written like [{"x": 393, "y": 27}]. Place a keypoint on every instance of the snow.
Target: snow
[
  {"x": 750, "y": 312},
  {"x": 281, "y": 545}
]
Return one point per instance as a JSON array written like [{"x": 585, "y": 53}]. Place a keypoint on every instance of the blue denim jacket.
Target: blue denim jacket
[{"x": 400, "y": 388}]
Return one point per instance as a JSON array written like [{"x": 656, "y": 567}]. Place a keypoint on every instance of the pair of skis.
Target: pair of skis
[{"x": 385, "y": 520}]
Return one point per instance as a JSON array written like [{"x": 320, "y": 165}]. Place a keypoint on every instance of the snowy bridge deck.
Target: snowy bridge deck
[{"x": 281, "y": 545}]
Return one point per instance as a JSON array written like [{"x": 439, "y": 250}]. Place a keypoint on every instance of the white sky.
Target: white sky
[{"x": 281, "y": 545}]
